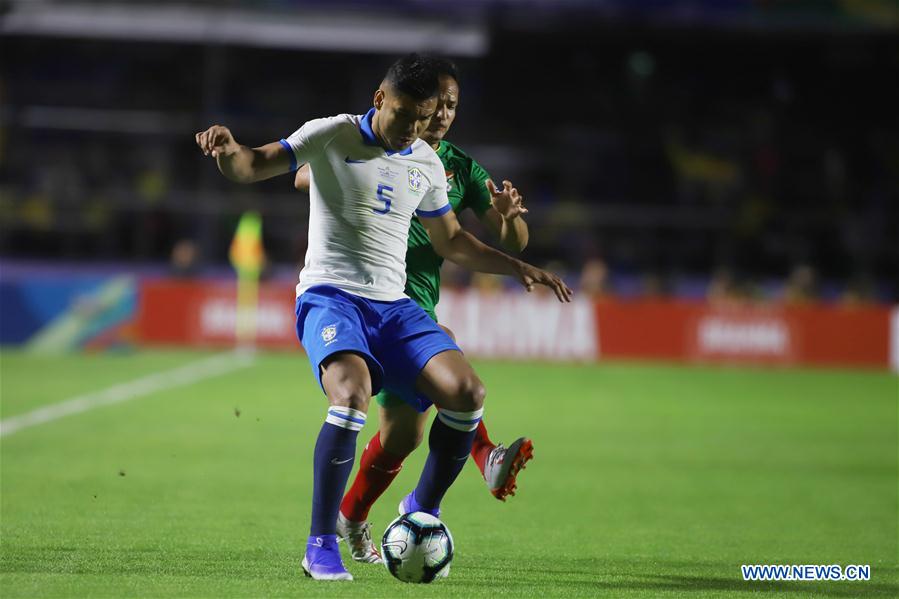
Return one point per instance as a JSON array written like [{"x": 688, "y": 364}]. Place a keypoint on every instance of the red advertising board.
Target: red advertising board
[
  {"x": 205, "y": 314},
  {"x": 697, "y": 331},
  {"x": 522, "y": 326}
]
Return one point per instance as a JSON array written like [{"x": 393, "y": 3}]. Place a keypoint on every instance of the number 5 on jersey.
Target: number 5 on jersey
[{"x": 383, "y": 197}]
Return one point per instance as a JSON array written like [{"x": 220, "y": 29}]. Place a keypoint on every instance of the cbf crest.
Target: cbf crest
[
  {"x": 415, "y": 179},
  {"x": 329, "y": 332}
]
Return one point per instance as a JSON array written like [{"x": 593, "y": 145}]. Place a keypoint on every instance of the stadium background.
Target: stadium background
[{"x": 718, "y": 181}]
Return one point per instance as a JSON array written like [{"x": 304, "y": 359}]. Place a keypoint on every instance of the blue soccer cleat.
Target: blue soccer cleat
[
  {"x": 322, "y": 560},
  {"x": 409, "y": 505}
]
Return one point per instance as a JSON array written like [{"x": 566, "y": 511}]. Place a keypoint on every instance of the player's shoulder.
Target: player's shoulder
[
  {"x": 330, "y": 131},
  {"x": 455, "y": 153},
  {"x": 459, "y": 158},
  {"x": 424, "y": 153},
  {"x": 334, "y": 123},
  {"x": 451, "y": 150}
]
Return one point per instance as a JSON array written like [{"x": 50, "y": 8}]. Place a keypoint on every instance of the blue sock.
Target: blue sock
[
  {"x": 335, "y": 451},
  {"x": 450, "y": 442}
]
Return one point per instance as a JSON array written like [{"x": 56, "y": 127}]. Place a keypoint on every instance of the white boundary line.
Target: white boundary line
[{"x": 146, "y": 385}]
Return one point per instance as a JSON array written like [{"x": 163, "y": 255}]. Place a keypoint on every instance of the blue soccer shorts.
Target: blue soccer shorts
[{"x": 396, "y": 338}]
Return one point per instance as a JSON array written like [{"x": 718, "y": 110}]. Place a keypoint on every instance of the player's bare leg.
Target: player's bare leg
[
  {"x": 499, "y": 465},
  {"x": 401, "y": 431},
  {"x": 347, "y": 384},
  {"x": 402, "y": 428},
  {"x": 450, "y": 382}
]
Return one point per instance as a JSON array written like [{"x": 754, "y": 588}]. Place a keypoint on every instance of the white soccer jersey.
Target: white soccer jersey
[{"x": 362, "y": 200}]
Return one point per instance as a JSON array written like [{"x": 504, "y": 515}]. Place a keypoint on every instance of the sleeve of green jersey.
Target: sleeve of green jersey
[{"x": 477, "y": 196}]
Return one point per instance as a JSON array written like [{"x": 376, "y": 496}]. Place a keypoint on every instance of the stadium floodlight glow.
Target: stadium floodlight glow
[{"x": 299, "y": 29}]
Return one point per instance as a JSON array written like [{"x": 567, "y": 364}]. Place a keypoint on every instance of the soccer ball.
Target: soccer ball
[{"x": 417, "y": 547}]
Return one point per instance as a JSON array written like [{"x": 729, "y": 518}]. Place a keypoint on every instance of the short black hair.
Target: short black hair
[
  {"x": 415, "y": 75},
  {"x": 445, "y": 66}
]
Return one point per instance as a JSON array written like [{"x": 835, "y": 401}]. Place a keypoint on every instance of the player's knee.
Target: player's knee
[
  {"x": 349, "y": 395},
  {"x": 346, "y": 382},
  {"x": 470, "y": 394}
]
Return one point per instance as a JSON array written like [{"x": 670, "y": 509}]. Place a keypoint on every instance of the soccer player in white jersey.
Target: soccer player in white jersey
[
  {"x": 401, "y": 426},
  {"x": 369, "y": 175}
]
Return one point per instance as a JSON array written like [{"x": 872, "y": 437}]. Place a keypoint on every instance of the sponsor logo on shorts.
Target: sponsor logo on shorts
[{"x": 329, "y": 333}]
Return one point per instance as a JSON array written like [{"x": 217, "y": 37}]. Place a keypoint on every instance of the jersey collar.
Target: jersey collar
[{"x": 369, "y": 139}]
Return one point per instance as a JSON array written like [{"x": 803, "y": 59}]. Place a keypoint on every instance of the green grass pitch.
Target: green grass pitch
[{"x": 648, "y": 481}]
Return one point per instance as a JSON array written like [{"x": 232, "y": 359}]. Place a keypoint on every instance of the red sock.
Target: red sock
[
  {"x": 377, "y": 469},
  {"x": 481, "y": 447}
]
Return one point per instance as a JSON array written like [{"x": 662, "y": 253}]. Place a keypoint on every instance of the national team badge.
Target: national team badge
[
  {"x": 415, "y": 179},
  {"x": 450, "y": 175},
  {"x": 329, "y": 332}
]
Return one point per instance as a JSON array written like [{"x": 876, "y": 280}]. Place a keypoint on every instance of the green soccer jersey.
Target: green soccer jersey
[{"x": 467, "y": 188}]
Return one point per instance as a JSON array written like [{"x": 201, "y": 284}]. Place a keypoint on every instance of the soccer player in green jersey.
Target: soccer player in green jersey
[{"x": 401, "y": 426}]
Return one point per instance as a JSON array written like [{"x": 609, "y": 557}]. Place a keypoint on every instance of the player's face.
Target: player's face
[
  {"x": 443, "y": 119},
  {"x": 401, "y": 120}
]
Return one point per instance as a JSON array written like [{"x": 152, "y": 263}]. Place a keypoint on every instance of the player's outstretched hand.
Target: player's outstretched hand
[
  {"x": 531, "y": 275},
  {"x": 507, "y": 201},
  {"x": 218, "y": 141}
]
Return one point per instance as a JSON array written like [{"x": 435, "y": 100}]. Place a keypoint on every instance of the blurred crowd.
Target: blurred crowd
[{"x": 751, "y": 166}]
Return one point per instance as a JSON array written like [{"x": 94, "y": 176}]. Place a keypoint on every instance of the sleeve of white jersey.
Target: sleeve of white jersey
[
  {"x": 435, "y": 202},
  {"x": 309, "y": 141}
]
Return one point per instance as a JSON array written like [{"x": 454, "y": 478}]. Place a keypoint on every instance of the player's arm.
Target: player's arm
[
  {"x": 301, "y": 180},
  {"x": 453, "y": 243},
  {"x": 504, "y": 216},
  {"x": 243, "y": 164}
]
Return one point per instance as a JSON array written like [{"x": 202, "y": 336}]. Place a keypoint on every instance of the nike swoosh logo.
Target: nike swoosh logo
[
  {"x": 349, "y": 160},
  {"x": 337, "y": 462},
  {"x": 400, "y": 546}
]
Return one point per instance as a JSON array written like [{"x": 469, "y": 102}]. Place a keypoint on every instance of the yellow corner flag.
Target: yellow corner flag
[{"x": 248, "y": 258}]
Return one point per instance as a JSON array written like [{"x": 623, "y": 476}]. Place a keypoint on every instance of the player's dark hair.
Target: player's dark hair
[
  {"x": 414, "y": 75},
  {"x": 445, "y": 66}
]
